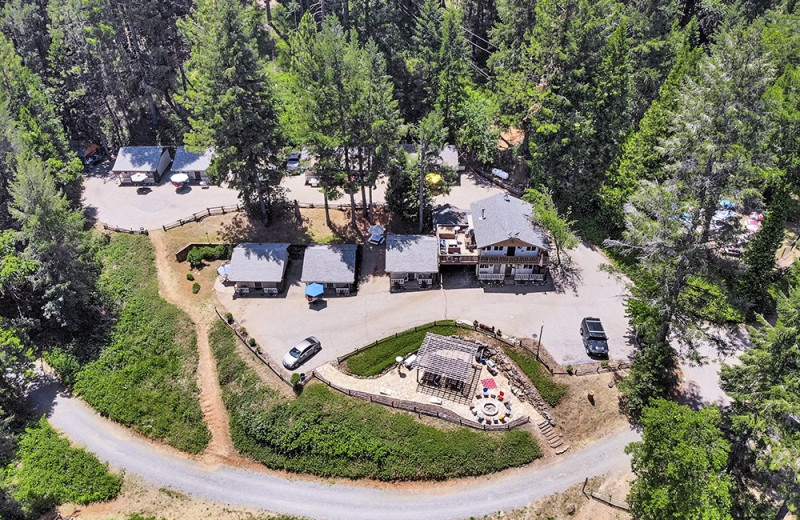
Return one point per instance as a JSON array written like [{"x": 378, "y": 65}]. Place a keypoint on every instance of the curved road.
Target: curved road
[{"x": 162, "y": 466}]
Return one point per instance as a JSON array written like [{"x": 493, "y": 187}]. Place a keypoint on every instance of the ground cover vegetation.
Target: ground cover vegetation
[
  {"x": 328, "y": 434},
  {"x": 637, "y": 120},
  {"x": 47, "y": 471},
  {"x": 550, "y": 390},
  {"x": 375, "y": 359}
]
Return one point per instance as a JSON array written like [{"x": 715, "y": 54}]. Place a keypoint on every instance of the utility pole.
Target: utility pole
[{"x": 539, "y": 342}]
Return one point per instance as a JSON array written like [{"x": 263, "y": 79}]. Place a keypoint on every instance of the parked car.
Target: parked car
[
  {"x": 302, "y": 352},
  {"x": 594, "y": 337},
  {"x": 293, "y": 163}
]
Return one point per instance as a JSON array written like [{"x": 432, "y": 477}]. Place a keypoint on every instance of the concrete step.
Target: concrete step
[
  {"x": 561, "y": 450},
  {"x": 556, "y": 444}
]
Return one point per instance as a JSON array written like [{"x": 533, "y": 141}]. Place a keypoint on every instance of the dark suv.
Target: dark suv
[{"x": 594, "y": 337}]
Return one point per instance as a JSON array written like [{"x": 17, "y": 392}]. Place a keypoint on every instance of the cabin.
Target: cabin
[
  {"x": 258, "y": 269},
  {"x": 411, "y": 261},
  {"x": 141, "y": 164},
  {"x": 192, "y": 164},
  {"x": 333, "y": 266}
]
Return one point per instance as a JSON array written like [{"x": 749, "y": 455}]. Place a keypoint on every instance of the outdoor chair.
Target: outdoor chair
[
  {"x": 474, "y": 411},
  {"x": 500, "y": 396}
]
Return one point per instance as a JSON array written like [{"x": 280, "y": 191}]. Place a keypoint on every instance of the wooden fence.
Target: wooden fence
[
  {"x": 140, "y": 231},
  {"x": 200, "y": 215},
  {"x": 342, "y": 206},
  {"x": 424, "y": 409},
  {"x": 256, "y": 352}
]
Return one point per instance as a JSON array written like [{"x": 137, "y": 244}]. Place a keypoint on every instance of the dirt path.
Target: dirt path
[{"x": 220, "y": 447}]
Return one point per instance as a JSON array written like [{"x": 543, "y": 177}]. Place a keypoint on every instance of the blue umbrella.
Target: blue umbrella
[{"x": 314, "y": 290}]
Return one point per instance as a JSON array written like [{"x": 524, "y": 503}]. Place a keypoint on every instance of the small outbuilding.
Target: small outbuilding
[
  {"x": 333, "y": 266},
  {"x": 258, "y": 269},
  {"x": 146, "y": 163},
  {"x": 412, "y": 261},
  {"x": 192, "y": 164}
]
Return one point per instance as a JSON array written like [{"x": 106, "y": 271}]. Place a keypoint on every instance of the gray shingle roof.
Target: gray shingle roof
[
  {"x": 412, "y": 254},
  {"x": 329, "y": 264},
  {"x": 186, "y": 161},
  {"x": 258, "y": 262},
  {"x": 138, "y": 159},
  {"x": 501, "y": 218}
]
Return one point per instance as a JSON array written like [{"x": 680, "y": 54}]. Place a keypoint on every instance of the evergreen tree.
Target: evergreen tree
[
  {"x": 231, "y": 102},
  {"x": 453, "y": 66},
  {"x": 680, "y": 465},
  {"x": 764, "y": 415},
  {"x": 431, "y": 134}
]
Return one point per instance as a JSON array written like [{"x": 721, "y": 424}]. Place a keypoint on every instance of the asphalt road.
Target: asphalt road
[{"x": 461, "y": 499}]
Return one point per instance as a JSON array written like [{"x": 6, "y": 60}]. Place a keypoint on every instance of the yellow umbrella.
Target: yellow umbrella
[{"x": 433, "y": 178}]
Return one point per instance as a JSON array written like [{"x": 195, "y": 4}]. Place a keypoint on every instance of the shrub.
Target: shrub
[
  {"x": 145, "y": 376},
  {"x": 550, "y": 390},
  {"x": 49, "y": 472},
  {"x": 295, "y": 378},
  {"x": 195, "y": 288},
  {"x": 570, "y": 369},
  {"x": 378, "y": 358},
  {"x": 243, "y": 331},
  {"x": 252, "y": 342},
  {"x": 198, "y": 254},
  {"x": 229, "y": 317},
  {"x": 604, "y": 364},
  {"x": 190, "y": 277}
]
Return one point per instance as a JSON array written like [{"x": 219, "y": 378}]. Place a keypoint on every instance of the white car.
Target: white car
[{"x": 301, "y": 352}]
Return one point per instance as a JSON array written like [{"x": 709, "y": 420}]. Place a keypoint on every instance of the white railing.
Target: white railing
[
  {"x": 342, "y": 291},
  {"x": 491, "y": 276}
]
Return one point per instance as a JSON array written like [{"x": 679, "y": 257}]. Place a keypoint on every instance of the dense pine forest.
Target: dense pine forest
[{"x": 634, "y": 121}]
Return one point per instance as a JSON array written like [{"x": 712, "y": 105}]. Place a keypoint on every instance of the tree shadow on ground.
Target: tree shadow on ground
[
  {"x": 284, "y": 228},
  {"x": 566, "y": 276}
]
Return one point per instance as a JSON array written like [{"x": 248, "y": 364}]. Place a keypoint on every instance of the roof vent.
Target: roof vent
[
  {"x": 483, "y": 213},
  {"x": 505, "y": 196}
]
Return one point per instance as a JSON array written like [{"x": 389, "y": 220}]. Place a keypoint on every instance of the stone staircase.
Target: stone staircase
[{"x": 554, "y": 438}]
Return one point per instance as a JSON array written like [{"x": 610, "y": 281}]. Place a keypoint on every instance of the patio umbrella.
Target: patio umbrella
[
  {"x": 138, "y": 177},
  {"x": 179, "y": 178},
  {"x": 314, "y": 290},
  {"x": 377, "y": 229}
]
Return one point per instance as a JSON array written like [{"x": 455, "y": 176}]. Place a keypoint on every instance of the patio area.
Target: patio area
[{"x": 401, "y": 383}]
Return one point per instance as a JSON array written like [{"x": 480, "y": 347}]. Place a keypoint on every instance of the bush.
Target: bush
[
  {"x": 195, "y": 288},
  {"x": 190, "y": 277},
  {"x": 551, "y": 391},
  {"x": 570, "y": 369},
  {"x": 332, "y": 435},
  {"x": 145, "y": 376},
  {"x": 378, "y": 358},
  {"x": 199, "y": 254},
  {"x": 229, "y": 317},
  {"x": 252, "y": 342},
  {"x": 49, "y": 472},
  {"x": 295, "y": 378}
]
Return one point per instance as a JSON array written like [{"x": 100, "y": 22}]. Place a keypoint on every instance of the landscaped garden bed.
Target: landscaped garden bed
[
  {"x": 376, "y": 358},
  {"x": 550, "y": 390},
  {"x": 332, "y": 435}
]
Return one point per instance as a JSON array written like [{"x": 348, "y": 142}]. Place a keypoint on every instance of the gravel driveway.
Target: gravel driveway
[{"x": 346, "y": 323}]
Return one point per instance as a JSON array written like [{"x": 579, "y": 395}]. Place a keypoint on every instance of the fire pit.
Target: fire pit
[{"x": 490, "y": 408}]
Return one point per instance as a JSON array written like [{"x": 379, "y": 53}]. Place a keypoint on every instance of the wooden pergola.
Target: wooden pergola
[{"x": 447, "y": 362}]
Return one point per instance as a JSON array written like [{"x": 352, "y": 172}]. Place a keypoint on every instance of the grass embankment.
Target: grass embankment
[
  {"x": 375, "y": 360},
  {"x": 328, "y": 434},
  {"x": 145, "y": 377},
  {"x": 550, "y": 390},
  {"x": 48, "y": 472}
]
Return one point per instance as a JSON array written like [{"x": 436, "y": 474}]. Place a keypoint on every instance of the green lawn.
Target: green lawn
[
  {"x": 375, "y": 360},
  {"x": 328, "y": 434},
  {"x": 48, "y": 472},
  {"x": 145, "y": 375},
  {"x": 551, "y": 391}
]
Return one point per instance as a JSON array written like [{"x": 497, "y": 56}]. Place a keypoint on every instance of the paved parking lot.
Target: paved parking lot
[{"x": 346, "y": 323}]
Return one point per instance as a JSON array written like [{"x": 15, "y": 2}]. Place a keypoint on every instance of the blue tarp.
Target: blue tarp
[{"x": 314, "y": 290}]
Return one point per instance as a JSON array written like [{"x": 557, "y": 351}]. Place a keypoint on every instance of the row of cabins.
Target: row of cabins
[
  {"x": 497, "y": 237},
  {"x": 154, "y": 161},
  {"x": 260, "y": 269}
]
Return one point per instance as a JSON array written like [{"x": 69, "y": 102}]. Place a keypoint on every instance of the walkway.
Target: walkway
[{"x": 291, "y": 495}]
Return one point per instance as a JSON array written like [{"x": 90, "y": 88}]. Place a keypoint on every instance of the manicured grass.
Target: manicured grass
[
  {"x": 49, "y": 472},
  {"x": 328, "y": 434},
  {"x": 550, "y": 390},
  {"x": 375, "y": 360},
  {"x": 145, "y": 376}
]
